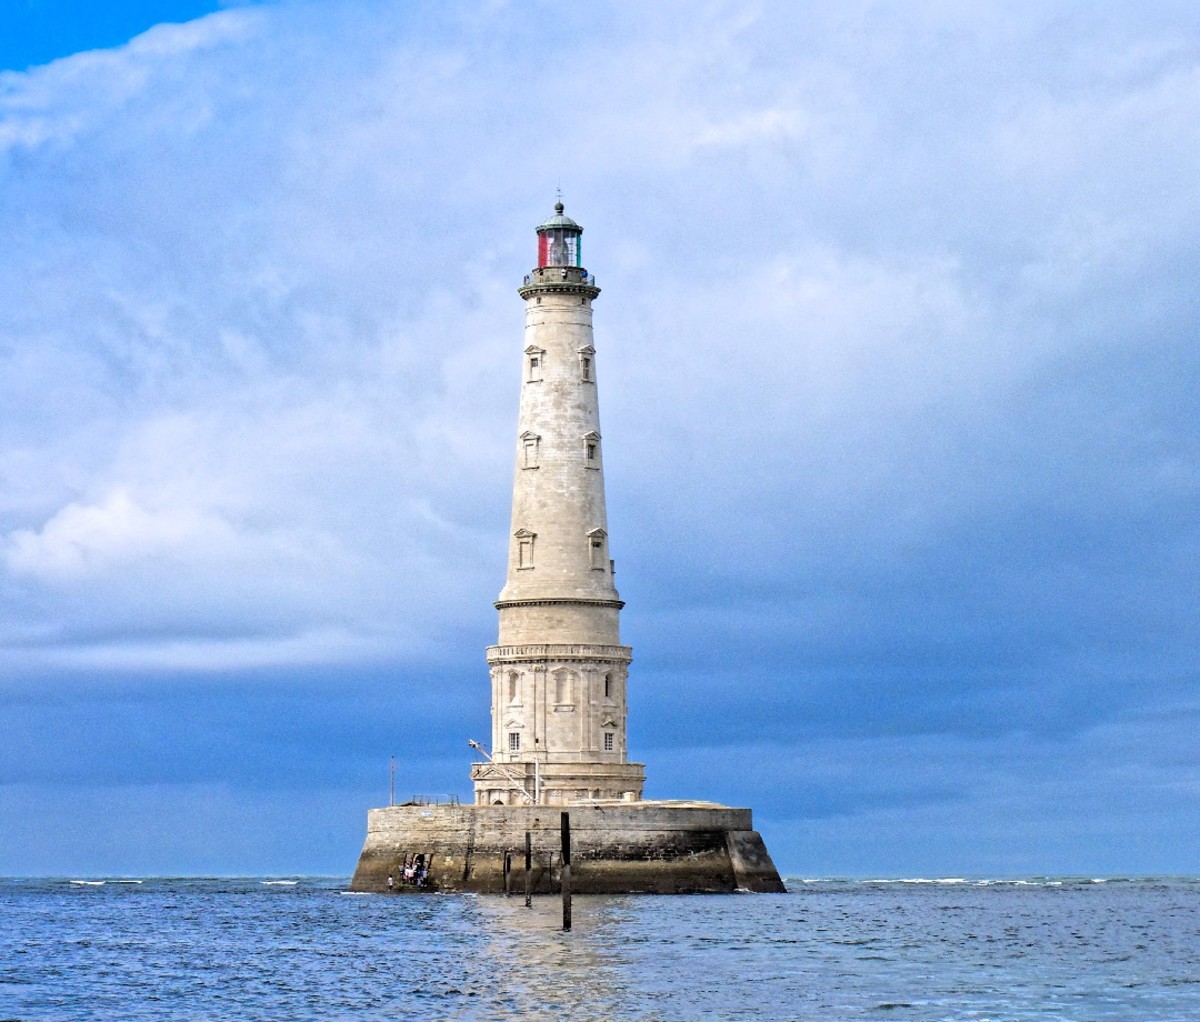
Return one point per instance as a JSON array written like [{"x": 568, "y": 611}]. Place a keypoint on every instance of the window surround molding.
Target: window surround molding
[
  {"x": 535, "y": 362},
  {"x": 598, "y": 549},
  {"x": 525, "y": 540},
  {"x": 587, "y": 364},
  {"x": 591, "y": 450},
  {"x": 531, "y": 449}
]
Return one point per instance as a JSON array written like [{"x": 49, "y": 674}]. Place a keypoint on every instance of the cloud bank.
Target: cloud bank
[{"x": 898, "y": 367}]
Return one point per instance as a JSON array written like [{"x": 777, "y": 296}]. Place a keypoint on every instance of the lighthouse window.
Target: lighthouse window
[
  {"x": 608, "y": 686},
  {"x": 534, "y": 358},
  {"x": 596, "y": 540},
  {"x": 514, "y": 741},
  {"x": 530, "y": 444},
  {"x": 591, "y": 450},
  {"x": 563, "y": 687},
  {"x": 514, "y": 690},
  {"x": 585, "y": 363},
  {"x": 609, "y": 741},
  {"x": 525, "y": 540}
]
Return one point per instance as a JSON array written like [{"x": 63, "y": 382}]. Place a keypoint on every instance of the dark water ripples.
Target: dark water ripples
[{"x": 1046, "y": 950}]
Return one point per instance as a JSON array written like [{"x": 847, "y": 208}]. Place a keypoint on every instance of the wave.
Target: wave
[
  {"x": 279, "y": 883},
  {"x": 88, "y": 883},
  {"x": 919, "y": 880}
]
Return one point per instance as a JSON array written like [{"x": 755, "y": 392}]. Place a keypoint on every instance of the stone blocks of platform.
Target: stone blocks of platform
[{"x": 617, "y": 848}]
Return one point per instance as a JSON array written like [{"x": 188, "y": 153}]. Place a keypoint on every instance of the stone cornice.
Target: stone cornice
[
  {"x": 558, "y": 287},
  {"x": 558, "y": 601},
  {"x": 557, "y": 651}
]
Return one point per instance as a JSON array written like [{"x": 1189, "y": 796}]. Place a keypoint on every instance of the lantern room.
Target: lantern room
[{"x": 559, "y": 241}]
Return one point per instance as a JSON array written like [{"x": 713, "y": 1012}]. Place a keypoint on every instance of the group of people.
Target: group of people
[{"x": 414, "y": 872}]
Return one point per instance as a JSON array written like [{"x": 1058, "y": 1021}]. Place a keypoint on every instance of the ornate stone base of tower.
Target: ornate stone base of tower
[{"x": 616, "y": 848}]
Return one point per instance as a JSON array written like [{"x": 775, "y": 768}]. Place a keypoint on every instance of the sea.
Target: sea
[{"x": 1094, "y": 949}]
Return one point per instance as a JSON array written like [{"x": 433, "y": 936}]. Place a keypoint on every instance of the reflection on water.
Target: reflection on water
[{"x": 533, "y": 968}]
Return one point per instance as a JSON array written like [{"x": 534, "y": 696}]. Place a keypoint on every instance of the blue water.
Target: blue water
[{"x": 245, "y": 949}]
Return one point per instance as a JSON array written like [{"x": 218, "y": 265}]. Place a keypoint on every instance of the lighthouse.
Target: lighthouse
[{"x": 559, "y": 673}]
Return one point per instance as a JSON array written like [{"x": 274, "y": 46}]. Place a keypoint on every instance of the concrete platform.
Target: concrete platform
[{"x": 647, "y": 847}]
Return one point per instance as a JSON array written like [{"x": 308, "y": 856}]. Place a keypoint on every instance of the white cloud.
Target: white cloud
[
  {"x": 56, "y": 103},
  {"x": 83, "y": 540},
  {"x": 256, "y": 330},
  {"x": 896, "y": 348}
]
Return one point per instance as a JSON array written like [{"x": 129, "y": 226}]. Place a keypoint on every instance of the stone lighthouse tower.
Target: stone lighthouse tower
[{"x": 558, "y": 671}]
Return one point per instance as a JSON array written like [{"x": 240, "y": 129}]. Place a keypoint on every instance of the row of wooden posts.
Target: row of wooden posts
[{"x": 565, "y": 871}]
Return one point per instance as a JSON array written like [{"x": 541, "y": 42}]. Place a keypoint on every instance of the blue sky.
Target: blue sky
[
  {"x": 39, "y": 31},
  {"x": 898, "y": 366}
]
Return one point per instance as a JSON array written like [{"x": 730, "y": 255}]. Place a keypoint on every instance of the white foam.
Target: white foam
[
  {"x": 89, "y": 883},
  {"x": 920, "y": 880},
  {"x": 279, "y": 883}
]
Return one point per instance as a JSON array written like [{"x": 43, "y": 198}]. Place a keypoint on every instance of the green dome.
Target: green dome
[{"x": 559, "y": 220}]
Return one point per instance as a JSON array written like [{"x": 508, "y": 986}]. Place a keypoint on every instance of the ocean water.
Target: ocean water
[{"x": 1085, "y": 950}]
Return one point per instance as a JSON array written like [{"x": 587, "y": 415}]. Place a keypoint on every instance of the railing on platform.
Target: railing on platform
[{"x": 432, "y": 800}]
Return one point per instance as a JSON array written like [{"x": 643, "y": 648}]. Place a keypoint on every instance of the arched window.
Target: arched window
[{"x": 564, "y": 686}]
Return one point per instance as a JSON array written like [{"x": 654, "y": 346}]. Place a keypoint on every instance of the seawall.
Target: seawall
[{"x": 616, "y": 848}]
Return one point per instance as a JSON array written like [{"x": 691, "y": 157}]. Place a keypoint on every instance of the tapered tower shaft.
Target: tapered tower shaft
[{"x": 558, "y": 672}]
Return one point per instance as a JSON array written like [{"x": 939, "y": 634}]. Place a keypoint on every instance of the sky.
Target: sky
[{"x": 898, "y": 365}]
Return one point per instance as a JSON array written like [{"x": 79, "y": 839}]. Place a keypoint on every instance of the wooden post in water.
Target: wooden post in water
[
  {"x": 528, "y": 871},
  {"x": 507, "y": 874},
  {"x": 566, "y": 870}
]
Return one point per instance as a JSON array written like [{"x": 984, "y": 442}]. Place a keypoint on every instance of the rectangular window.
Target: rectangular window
[
  {"x": 591, "y": 450},
  {"x": 514, "y": 741},
  {"x": 609, "y": 741},
  {"x": 596, "y": 548},
  {"x": 524, "y": 552},
  {"x": 533, "y": 364}
]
